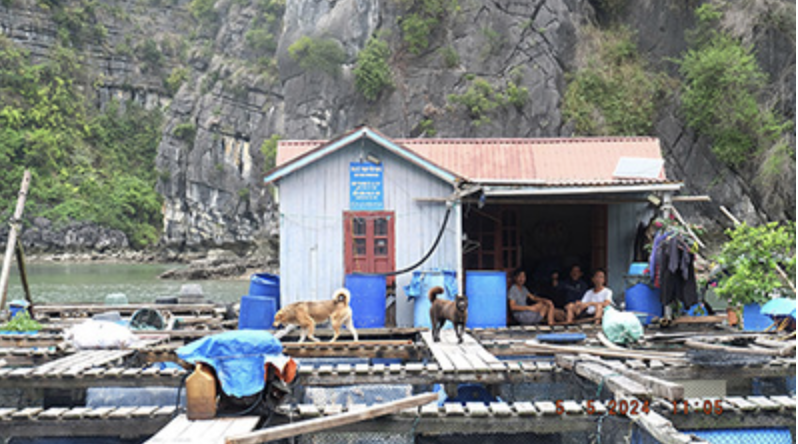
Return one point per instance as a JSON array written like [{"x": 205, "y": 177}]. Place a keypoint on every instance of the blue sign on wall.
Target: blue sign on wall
[{"x": 365, "y": 186}]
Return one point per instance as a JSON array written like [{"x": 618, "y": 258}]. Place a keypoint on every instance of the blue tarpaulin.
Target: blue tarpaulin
[
  {"x": 418, "y": 286},
  {"x": 779, "y": 307},
  {"x": 239, "y": 358}
]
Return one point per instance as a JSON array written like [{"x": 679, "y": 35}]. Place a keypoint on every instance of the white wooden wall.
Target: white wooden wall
[{"x": 312, "y": 202}]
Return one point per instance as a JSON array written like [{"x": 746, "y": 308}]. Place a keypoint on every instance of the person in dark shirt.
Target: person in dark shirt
[
  {"x": 573, "y": 287},
  {"x": 553, "y": 290}
]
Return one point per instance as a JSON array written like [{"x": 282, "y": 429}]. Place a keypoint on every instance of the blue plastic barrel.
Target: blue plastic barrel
[
  {"x": 264, "y": 284},
  {"x": 753, "y": 320},
  {"x": 257, "y": 312},
  {"x": 423, "y": 282},
  {"x": 643, "y": 299},
  {"x": 368, "y": 300},
  {"x": 487, "y": 299}
]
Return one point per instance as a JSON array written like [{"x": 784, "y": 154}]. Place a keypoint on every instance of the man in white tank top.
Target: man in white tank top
[{"x": 593, "y": 302}]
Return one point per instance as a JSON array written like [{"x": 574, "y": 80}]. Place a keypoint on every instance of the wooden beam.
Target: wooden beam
[
  {"x": 626, "y": 354},
  {"x": 12, "y": 237},
  {"x": 659, "y": 387},
  {"x": 784, "y": 351},
  {"x": 687, "y": 227},
  {"x": 698, "y": 198},
  {"x": 661, "y": 429},
  {"x": 86, "y": 309},
  {"x": 714, "y": 319},
  {"x": 615, "y": 382},
  {"x": 315, "y": 425}
]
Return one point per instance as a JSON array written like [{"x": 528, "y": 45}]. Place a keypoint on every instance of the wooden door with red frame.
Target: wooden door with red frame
[{"x": 369, "y": 242}]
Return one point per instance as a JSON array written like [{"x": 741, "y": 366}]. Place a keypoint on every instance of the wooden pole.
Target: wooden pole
[
  {"x": 23, "y": 275},
  {"x": 785, "y": 351},
  {"x": 687, "y": 227},
  {"x": 12, "y": 237},
  {"x": 328, "y": 422},
  {"x": 535, "y": 347}
]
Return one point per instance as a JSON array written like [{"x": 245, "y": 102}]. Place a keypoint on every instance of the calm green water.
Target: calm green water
[{"x": 57, "y": 283}]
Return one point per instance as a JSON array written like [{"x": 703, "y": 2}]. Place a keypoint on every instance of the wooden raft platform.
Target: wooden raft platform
[
  {"x": 213, "y": 431},
  {"x": 468, "y": 357},
  {"x": 540, "y": 417}
]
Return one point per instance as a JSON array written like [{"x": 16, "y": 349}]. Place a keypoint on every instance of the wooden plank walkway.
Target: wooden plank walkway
[
  {"x": 82, "y": 360},
  {"x": 452, "y": 357},
  {"x": 213, "y": 431},
  {"x": 500, "y": 372},
  {"x": 536, "y": 417}
]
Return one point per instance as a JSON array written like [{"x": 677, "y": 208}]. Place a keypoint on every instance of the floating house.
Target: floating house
[{"x": 364, "y": 202}]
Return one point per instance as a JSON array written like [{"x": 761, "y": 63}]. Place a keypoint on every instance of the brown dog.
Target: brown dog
[
  {"x": 443, "y": 310},
  {"x": 307, "y": 314}
]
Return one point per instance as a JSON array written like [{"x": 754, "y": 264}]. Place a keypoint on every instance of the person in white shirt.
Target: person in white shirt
[{"x": 593, "y": 302}]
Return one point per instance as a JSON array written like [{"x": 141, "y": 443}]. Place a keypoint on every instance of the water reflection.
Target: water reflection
[{"x": 58, "y": 283}]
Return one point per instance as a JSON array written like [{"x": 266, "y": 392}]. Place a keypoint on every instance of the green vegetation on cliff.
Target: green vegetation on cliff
[
  {"x": 481, "y": 99},
  {"x": 86, "y": 164},
  {"x": 612, "y": 94},
  {"x": 722, "y": 86},
  {"x": 372, "y": 71},
  {"x": 318, "y": 55},
  {"x": 421, "y": 19}
]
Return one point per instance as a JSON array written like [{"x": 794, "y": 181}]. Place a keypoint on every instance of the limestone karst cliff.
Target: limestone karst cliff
[{"x": 230, "y": 79}]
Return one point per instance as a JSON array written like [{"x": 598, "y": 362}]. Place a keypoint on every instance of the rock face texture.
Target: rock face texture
[{"x": 210, "y": 159}]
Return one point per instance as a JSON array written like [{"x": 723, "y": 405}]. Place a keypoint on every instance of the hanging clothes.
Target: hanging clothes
[
  {"x": 655, "y": 259},
  {"x": 675, "y": 265}
]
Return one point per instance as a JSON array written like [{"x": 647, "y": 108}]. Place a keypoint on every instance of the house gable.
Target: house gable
[{"x": 319, "y": 152}]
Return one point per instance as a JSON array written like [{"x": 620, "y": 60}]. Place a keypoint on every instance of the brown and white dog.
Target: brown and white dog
[
  {"x": 443, "y": 310},
  {"x": 307, "y": 314}
]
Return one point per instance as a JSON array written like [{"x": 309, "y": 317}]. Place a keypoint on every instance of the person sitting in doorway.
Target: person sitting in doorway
[
  {"x": 552, "y": 290},
  {"x": 593, "y": 302},
  {"x": 574, "y": 286},
  {"x": 526, "y": 308}
]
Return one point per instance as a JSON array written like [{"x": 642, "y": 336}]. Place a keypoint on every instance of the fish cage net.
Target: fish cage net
[
  {"x": 609, "y": 430},
  {"x": 603, "y": 429}
]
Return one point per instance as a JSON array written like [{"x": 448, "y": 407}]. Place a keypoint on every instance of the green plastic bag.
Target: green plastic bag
[{"x": 621, "y": 327}]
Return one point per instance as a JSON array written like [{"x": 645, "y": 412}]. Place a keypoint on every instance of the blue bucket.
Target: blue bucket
[
  {"x": 257, "y": 312},
  {"x": 753, "y": 319},
  {"x": 487, "y": 299},
  {"x": 643, "y": 299},
  {"x": 368, "y": 299}
]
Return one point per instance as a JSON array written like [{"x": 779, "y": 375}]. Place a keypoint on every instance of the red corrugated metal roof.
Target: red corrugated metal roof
[{"x": 556, "y": 161}]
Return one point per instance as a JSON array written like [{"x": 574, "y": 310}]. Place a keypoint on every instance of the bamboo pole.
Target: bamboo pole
[
  {"x": 12, "y": 237},
  {"x": 329, "y": 422},
  {"x": 23, "y": 275},
  {"x": 687, "y": 227}
]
